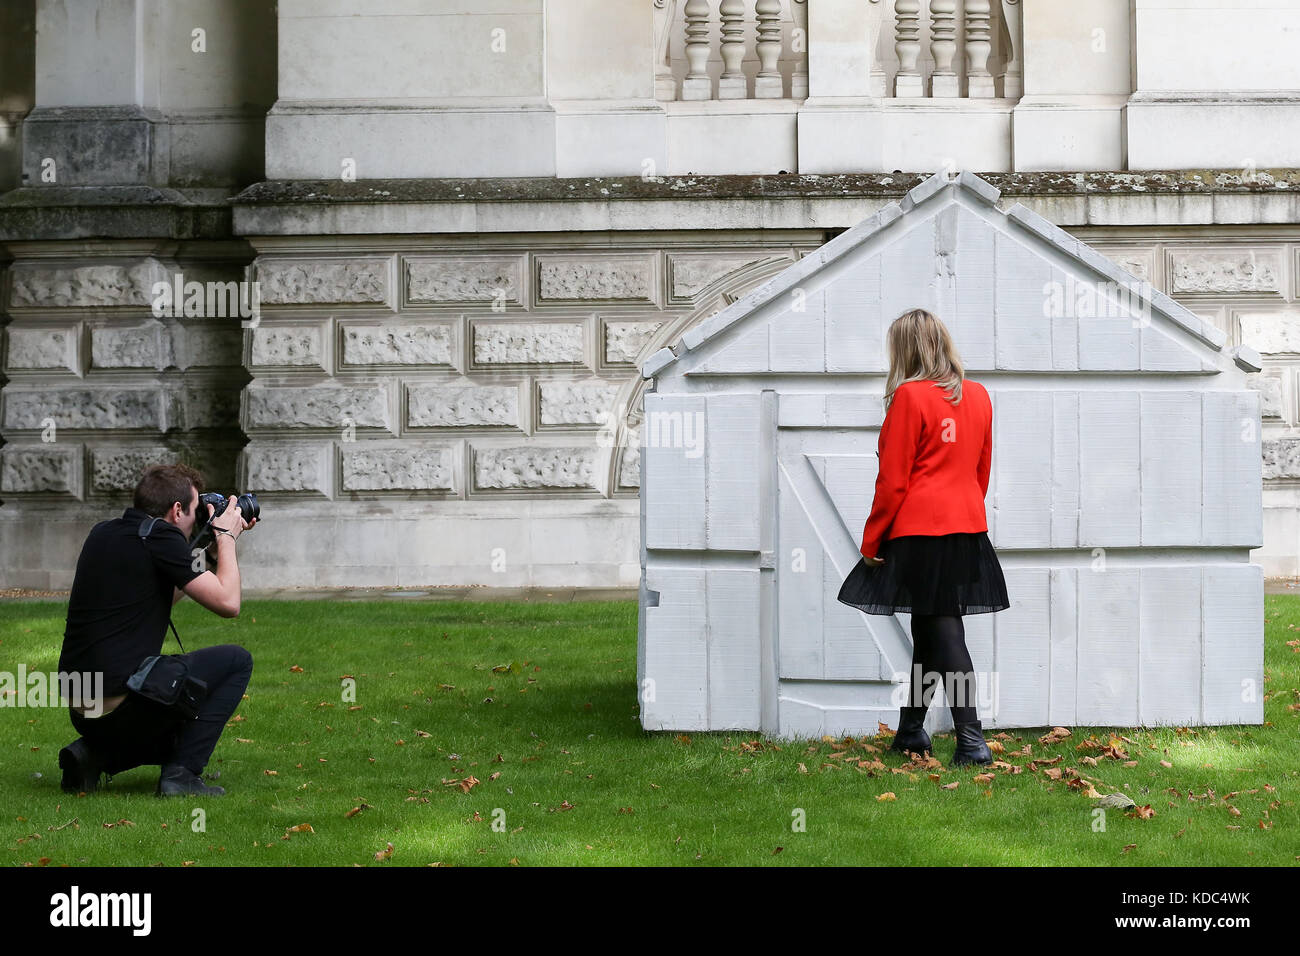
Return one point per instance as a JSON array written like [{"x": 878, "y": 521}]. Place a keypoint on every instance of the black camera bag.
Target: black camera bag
[{"x": 166, "y": 680}]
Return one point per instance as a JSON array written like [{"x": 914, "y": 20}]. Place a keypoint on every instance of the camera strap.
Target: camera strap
[{"x": 144, "y": 533}]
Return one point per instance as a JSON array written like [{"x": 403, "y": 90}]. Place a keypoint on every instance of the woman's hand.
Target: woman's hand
[{"x": 873, "y": 562}]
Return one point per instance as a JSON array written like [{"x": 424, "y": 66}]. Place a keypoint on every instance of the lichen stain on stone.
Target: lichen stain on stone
[{"x": 844, "y": 185}]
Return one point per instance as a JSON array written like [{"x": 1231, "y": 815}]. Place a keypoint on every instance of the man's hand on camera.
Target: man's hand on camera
[{"x": 235, "y": 525}]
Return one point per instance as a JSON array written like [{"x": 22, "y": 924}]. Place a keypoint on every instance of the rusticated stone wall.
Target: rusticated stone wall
[
  {"x": 455, "y": 374},
  {"x": 98, "y": 387},
  {"x": 432, "y": 411}
]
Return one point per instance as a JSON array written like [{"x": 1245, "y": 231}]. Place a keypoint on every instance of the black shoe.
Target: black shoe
[
  {"x": 178, "y": 781},
  {"x": 911, "y": 731},
  {"x": 971, "y": 745},
  {"x": 81, "y": 767}
]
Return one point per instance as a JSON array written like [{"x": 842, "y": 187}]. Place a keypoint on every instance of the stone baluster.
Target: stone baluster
[
  {"x": 1012, "y": 84},
  {"x": 665, "y": 85},
  {"x": 732, "y": 85},
  {"x": 907, "y": 82},
  {"x": 799, "y": 78},
  {"x": 697, "y": 85},
  {"x": 878, "y": 81},
  {"x": 979, "y": 81},
  {"x": 768, "y": 84},
  {"x": 943, "y": 47}
]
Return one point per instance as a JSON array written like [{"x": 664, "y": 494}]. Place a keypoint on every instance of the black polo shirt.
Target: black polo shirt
[{"x": 121, "y": 597}]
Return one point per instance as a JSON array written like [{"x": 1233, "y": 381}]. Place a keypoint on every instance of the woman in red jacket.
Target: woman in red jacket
[{"x": 925, "y": 546}]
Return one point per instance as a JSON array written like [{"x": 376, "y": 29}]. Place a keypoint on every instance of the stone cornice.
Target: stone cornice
[
  {"x": 844, "y": 185},
  {"x": 1162, "y": 198}
]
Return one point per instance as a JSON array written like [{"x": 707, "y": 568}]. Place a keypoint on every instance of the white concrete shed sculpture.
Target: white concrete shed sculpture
[{"x": 1124, "y": 499}]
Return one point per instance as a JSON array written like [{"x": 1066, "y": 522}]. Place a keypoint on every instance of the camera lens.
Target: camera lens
[{"x": 248, "y": 505}]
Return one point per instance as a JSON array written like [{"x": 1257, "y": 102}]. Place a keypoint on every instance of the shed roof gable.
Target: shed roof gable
[{"x": 935, "y": 193}]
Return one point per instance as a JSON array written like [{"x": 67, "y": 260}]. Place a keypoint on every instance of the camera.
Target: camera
[{"x": 203, "y": 533}]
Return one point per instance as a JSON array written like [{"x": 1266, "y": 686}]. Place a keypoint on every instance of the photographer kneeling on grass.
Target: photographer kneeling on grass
[{"x": 131, "y": 571}]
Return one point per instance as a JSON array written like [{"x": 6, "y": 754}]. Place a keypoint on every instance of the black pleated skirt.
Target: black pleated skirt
[{"x": 930, "y": 574}]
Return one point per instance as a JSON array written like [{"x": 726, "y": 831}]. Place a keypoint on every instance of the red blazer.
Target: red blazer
[{"x": 934, "y": 464}]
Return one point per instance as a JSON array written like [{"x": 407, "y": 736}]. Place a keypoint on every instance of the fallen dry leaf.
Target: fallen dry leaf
[
  {"x": 887, "y": 795},
  {"x": 465, "y": 785},
  {"x": 385, "y": 854},
  {"x": 1055, "y": 735}
]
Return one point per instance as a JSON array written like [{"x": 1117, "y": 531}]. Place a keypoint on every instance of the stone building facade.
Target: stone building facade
[{"x": 460, "y": 228}]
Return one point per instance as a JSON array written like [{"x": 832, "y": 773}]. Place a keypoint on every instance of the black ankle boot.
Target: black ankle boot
[
  {"x": 81, "y": 767},
  {"x": 911, "y": 731},
  {"x": 177, "y": 780},
  {"x": 971, "y": 745}
]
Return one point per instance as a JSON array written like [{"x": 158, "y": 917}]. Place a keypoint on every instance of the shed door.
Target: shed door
[{"x": 826, "y": 480}]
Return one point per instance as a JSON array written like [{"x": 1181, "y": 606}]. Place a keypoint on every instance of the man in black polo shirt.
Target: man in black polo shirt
[{"x": 118, "y": 613}]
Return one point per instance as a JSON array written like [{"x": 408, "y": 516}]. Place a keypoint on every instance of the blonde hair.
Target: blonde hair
[{"x": 921, "y": 349}]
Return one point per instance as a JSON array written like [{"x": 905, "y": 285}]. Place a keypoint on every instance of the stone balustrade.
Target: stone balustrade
[{"x": 758, "y": 49}]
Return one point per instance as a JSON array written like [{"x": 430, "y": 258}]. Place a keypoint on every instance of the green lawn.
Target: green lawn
[{"x": 560, "y": 760}]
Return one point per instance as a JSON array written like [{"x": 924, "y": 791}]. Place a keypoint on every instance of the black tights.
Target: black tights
[{"x": 939, "y": 653}]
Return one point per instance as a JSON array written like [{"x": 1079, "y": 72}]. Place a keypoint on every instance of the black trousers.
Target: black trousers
[{"x": 139, "y": 732}]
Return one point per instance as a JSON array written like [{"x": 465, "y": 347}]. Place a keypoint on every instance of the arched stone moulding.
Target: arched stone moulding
[{"x": 628, "y": 412}]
